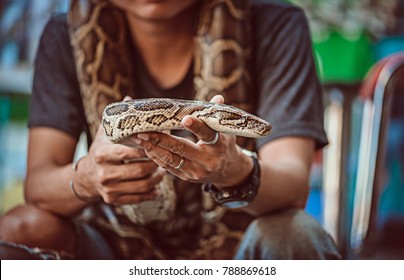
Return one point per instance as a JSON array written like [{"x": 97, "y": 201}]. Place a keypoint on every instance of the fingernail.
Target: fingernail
[
  {"x": 137, "y": 141},
  {"x": 187, "y": 121},
  {"x": 143, "y": 136}
]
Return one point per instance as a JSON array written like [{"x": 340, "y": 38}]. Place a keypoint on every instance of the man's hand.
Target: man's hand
[
  {"x": 117, "y": 173},
  {"x": 222, "y": 163}
]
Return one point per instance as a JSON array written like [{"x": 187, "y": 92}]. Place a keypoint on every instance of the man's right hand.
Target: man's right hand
[{"x": 117, "y": 173}]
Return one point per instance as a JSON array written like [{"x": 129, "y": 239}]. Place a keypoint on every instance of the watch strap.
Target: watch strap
[{"x": 240, "y": 195}]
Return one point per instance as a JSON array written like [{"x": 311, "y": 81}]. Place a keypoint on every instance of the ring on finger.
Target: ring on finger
[
  {"x": 212, "y": 142},
  {"x": 179, "y": 166}
]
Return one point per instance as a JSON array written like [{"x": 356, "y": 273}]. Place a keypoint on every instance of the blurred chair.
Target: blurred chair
[
  {"x": 354, "y": 161},
  {"x": 385, "y": 80},
  {"x": 336, "y": 182}
]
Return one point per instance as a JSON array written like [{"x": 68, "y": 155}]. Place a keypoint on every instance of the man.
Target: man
[{"x": 161, "y": 33}]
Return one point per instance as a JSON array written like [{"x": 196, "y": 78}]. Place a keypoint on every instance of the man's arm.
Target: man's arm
[
  {"x": 285, "y": 164},
  {"x": 103, "y": 173},
  {"x": 50, "y": 153},
  {"x": 285, "y": 170}
]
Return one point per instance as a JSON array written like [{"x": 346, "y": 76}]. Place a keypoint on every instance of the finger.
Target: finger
[
  {"x": 116, "y": 153},
  {"x": 105, "y": 151},
  {"x": 188, "y": 171},
  {"x": 126, "y": 172},
  {"x": 199, "y": 128},
  {"x": 174, "y": 144},
  {"x": 176, "y": 172},
  {"x": 161, "y": 156},
  {"x": 217, "y": 99},
  {"x": 113, "y": 190}
]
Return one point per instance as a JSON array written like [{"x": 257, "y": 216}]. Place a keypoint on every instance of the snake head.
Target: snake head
[
  {"x": 238, "y": 122},
  {"x": 257, "y": 126}
]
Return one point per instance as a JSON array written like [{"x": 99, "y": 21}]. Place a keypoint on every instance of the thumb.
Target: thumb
[{"x": 219, "y": 99}]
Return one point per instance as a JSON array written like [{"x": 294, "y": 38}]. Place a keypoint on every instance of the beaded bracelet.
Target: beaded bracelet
[{"x": 71, "y": 185}]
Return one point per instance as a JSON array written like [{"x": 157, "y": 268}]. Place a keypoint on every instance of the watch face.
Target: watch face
[{"x": 235, "y": 204}]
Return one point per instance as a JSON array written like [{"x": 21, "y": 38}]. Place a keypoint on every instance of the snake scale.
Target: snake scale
[{"x": 100, "y": 40}]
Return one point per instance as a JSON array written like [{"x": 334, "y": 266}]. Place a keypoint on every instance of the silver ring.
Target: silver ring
[
  {"x": 214, "y": 141},
  {"x": 178, "y": 167}
]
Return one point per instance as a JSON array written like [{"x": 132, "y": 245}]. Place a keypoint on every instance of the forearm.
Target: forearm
[
  {"x": 285, "y": 172},
  {"x": 48, "y": 188},
  {"x": 283, "y": 185},
  {"x": 101, "y": 175},
  {"x": 50, "y": 153}
]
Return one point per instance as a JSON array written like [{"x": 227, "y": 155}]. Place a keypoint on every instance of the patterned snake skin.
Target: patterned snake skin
[
  {"x": 99, "y": 37},
  {"x": 123, "y": 119}
]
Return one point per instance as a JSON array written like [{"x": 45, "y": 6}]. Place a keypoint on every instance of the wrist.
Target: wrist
[
  {"x": 240, "y": 171},
  {"x": 76, "y": 183},
  {"x": 239, "y": 195}
]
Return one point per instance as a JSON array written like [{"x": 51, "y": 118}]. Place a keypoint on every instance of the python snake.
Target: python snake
[{"x": 123, "y": 119}]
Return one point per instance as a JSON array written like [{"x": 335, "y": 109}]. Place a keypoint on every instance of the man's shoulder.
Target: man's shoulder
[
  {"x": 57, "y": 24},
  {"x": 59, "y": 18},
  {"x": 273, "y": 17}
]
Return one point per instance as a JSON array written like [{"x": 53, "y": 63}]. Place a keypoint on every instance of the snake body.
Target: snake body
[{"x": 123, "y": 119}]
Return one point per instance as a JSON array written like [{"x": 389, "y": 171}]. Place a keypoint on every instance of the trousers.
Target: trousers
[{"x": 285, "y": 235}]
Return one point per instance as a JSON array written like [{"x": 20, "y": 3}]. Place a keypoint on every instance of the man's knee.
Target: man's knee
[
  {"x": 31, "y": 226},
  {"x": 19, "y": 220},
  {"x": 291, "y": 234}
]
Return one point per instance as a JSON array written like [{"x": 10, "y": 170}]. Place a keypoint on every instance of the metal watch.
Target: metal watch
[{"x": 242, "y": 194}]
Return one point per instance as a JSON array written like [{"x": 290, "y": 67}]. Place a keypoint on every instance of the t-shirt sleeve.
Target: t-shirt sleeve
[
  {"x": 290, "y": 94},
  {"x": 56, "y": 101}
]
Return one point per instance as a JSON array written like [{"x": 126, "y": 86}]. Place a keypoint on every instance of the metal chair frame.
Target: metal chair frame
[
  {"x": 372, "y": 151},
  {"x": 351, "y": 227}
]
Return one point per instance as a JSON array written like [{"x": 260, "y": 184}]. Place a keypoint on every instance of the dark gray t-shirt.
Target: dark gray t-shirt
[{"x": 288, "y": 90}]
